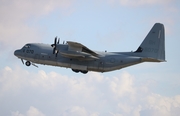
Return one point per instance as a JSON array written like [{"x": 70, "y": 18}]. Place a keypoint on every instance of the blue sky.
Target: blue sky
[{"x": 113, "y": 25}]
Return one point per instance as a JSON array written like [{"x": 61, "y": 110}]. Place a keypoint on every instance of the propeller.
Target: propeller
[
  {"x": 55, "y": 51},
  {"x": 54, "y": 45}
]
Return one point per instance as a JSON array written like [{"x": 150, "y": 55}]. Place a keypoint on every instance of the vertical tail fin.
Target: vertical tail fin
[{"x": 153, "y": 46}]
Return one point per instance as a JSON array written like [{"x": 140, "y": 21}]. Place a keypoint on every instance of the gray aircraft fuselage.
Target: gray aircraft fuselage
[
  {"x": 108, "y": 61},
  {"x": 81, "y": 59}
]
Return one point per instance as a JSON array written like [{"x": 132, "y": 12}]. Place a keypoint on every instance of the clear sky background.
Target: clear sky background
[{"x": 148, "y": 89}]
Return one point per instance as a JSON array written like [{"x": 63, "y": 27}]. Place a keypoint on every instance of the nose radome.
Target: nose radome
[{"x": 16, "y": 52}]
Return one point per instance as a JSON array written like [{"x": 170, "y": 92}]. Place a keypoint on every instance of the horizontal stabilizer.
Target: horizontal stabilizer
[{"x": 151, "y": 60}]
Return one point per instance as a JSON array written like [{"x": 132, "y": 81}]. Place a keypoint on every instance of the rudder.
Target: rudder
[{"x": 153, "y": 46}]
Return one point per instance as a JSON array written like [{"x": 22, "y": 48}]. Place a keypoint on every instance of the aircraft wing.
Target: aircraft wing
[
  {"x": 79, "y": 51},
  {"x": 74, "y": 46}
]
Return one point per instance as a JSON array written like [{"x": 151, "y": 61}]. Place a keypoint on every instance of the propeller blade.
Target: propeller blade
[
  {"x": 58, "y": 41},
  {"x": 54, "y": 50},
  {"x": 54, "y": 45},
  {"x": 55, "y": 40}
]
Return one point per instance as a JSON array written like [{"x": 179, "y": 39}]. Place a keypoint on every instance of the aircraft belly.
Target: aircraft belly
[
  {"x": 74, "y": 64},
  {"x": 28, "y": 59},
  {"x": 79, "y": 67},
  {"x": 48, "y": 62},
  {"x": 130, "y": 61},
  {"x": 62, "y": 64},
  {"x": 122, "y": 62},
  {"x": 96, "y": 65},
  {"x": 46, "y": 59}
]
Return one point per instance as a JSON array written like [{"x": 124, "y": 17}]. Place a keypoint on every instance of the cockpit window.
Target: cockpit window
[{"x": 27, "y": 46}]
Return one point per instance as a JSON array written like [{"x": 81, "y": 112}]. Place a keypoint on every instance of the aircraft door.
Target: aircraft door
[
  {"x": 36, "y": 58},
  {"x": 101, "y": 65}
]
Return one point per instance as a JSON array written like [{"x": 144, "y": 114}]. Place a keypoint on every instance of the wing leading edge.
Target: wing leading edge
[{"x": 74, "y": 46}]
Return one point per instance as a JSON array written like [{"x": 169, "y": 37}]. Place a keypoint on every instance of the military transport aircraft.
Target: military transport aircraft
[{"x": 82, "y": 59}]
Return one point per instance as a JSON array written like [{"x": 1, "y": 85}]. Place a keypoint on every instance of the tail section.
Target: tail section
[{"x": 153, "y": 47}]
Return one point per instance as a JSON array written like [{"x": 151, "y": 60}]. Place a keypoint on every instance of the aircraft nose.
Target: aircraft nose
[{"x": 17, "y": 52}]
